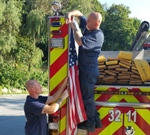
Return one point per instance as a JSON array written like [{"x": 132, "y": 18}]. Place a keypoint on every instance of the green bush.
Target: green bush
[{"x": 16, "y": 77}]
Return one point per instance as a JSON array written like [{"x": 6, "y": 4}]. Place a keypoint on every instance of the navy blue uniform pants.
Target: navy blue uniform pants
[{"x": 87, "y": 84}]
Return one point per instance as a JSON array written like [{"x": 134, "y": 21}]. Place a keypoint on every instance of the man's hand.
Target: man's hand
[
  {"x": 64, "y": 95},
  {"x": 68, "y": 17},
  {"x": 54, "y": 107},
  {"x": 50, "y": 109}
]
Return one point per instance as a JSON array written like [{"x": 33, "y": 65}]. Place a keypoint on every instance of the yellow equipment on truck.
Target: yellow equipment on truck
[{"x": 122, "y": 93}]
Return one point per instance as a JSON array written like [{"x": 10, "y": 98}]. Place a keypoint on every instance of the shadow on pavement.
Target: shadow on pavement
[
  {"x": 12, "y": 119},
  {"x": 12, "y": 125}
]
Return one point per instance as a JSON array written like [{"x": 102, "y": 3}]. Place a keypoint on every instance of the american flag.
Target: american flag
[{"x": 77, "y": 112}]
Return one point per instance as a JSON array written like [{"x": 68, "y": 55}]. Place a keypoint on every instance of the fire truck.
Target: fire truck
[{"x": 122, "y": 93}]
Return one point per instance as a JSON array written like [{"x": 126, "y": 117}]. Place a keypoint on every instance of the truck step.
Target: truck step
[{"x": 82, "y": 132}]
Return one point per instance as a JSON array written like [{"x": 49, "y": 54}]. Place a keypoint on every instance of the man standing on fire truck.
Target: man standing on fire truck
[{"x": 90, "y": 44}]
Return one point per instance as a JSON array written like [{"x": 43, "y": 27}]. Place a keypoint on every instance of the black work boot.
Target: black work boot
[
  {"x": 87, "y": 126},
  {"x": 98, "y": 124}
]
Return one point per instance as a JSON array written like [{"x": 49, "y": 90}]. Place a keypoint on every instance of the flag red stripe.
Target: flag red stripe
[
  {"x": 80, "y": 104},
  {"x": 72, "y": 120},
  {"x": 76, "y": 103}
]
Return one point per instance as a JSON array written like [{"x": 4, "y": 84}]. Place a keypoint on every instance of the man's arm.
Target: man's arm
[
  {"x": 50, "y": 109},
  {"x": 57, "y": 94},
  {"x": 77, "y": 33},
  {"x": 74, "y": 13},
  {"x": 74, "y": 25}
]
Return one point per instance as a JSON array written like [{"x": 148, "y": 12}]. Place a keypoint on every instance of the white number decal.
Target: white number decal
[
  {"x": 130, "y": 115},
  {"x": 114, "y": 115}
]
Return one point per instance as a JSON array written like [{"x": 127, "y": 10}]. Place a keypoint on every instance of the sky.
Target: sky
[{"x": 139, "y": 8}]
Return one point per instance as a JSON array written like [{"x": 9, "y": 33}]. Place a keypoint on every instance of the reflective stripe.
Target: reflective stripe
[{"x": 114, "y": 104}]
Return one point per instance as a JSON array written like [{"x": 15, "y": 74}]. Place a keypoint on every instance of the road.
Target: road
[{"x": 12, "y": 120}]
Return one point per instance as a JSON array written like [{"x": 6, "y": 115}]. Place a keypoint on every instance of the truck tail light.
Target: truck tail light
[
  {"x": 55, "y": 19},
  {"x": 56, "y": 32},
  {"x": 56, "y": 24}
]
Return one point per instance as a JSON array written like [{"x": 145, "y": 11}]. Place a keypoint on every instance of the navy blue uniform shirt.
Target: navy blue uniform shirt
[
  {"x": 91, "y": 47},
  {"x": 36, "y": 123}
]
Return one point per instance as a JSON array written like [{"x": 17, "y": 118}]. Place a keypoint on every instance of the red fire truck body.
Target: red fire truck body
[{"x": 124, "y": 109}]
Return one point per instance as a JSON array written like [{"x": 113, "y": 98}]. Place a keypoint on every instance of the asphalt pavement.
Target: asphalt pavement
[{"x": 12, "y": 119}]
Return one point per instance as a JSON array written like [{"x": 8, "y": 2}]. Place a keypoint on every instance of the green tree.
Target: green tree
[
  {"x": 10, "y": 22},
  {"x": 26, "y": 54},
  {"x": 35, "y": 22},
  {"x": 119, "y": 29},
  {"x": 84, "y": 6}
]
